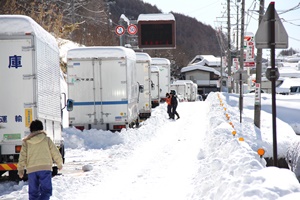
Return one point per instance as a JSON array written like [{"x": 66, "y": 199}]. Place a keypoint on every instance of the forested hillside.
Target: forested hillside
[{"x": 93, "y": 22}]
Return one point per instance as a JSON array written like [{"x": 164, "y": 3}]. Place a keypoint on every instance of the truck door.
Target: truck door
[
  {"x": 111, "y": 90},
  {"x": 81, "y": 89},
  {"x": 17, "y": 90}
]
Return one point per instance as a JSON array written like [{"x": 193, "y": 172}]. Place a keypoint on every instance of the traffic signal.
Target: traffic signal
[{"x": 156, "y": 32}]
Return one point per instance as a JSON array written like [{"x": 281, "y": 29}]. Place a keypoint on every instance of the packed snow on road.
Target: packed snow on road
[{"x": 206, "y": 154}]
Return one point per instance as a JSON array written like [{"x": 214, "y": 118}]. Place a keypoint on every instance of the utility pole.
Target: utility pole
[
  {"x": 242, "y": 35},
  {"x": 229, "y": 46},
  {"x": 237, "y": 38},
  {"x": 257, "y": 103},
  {"x": 242, "y": 58}
]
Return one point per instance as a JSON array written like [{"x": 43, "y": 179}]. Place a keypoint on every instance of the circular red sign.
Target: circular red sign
[
  {"x": 120, "y": 30},
  {"x": 132, "y": 29}
]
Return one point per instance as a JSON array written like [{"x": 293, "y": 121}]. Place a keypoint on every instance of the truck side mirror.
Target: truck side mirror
[
  {"x": 70, "y": 104},
  {"x": 141, "y": 88}
]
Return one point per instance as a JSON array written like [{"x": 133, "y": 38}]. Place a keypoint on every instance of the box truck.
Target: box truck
[
  {"x": 144, "y": 80},
  {"x": 192, "y": 89},
  {"x": 30, "y": 86},
  {"x": 155, "y": 88},
  {"x": 102, "y": 88},
  {"x": 164, "y": 75}
]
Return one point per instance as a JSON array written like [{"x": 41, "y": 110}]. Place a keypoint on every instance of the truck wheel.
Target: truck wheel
[
  {"x": 137, "y": 123},
  {"x": 13, "y": 175}
]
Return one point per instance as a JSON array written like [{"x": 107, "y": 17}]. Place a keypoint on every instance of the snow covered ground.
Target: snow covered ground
[{"x": 195, "y": 157}]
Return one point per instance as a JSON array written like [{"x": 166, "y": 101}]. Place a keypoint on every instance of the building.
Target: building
[{"x": 206, "y": 78}]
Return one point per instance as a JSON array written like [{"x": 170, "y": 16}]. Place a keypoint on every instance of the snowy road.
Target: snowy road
[
  {"x": 158, "y": 168},
  {"x": 194, "y": 158}
]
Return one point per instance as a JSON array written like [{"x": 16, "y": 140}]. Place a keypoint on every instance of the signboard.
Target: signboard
[
  {"x": 262, "y": 36},
  {"x": 249, "y": 64},
  {"x": 156, "y": 31},
  {"x": 120, "y": 30},
  {"x": 236, "y": 63},
  {"x": 132, "y": 29},
  {"x": 249, "y": 54},
  {"x": 257, "y": 93},
  {"x": 237, "y": 76}
]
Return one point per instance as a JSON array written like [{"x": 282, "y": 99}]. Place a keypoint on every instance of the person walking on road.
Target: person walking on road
[
  {"x": 168, "y": 101},
  {"x": 37, "y": 155},
  {"x": 174, "y": 103}
]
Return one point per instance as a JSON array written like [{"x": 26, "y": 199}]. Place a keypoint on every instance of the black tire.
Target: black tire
[
  {"x": 13, "y": 175},
  {"x": 137, "y": 123}
]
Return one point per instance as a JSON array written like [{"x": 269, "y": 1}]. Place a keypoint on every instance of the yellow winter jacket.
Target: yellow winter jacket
[{"x": 38, "y": 153}]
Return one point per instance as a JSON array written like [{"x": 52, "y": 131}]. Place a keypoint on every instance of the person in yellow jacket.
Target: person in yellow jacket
[{"x": 37, "y": 155}]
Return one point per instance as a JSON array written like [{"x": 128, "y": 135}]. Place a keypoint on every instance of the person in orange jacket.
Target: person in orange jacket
[{"x": 168, "y": 100}]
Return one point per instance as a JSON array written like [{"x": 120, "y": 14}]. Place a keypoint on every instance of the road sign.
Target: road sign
[
  {"x": 249, "y": 64},
  {"x": 262, "y": 36},
  {"x": 120, "y": 30},
  {"x": 132, "y": 29},
  {"x": 240, "y": 75}
]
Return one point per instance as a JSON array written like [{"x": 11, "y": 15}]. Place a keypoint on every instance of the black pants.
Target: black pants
[
  {"x": 169, "y": 110},
  {"x": 174, "y": 112}
]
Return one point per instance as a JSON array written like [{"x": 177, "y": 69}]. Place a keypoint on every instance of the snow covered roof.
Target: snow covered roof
[
  {"x": 287, "y": 83},
  {"x": 142, "y": 57},
  {"x": 210, "y": 60},
  {"x": 184, "y": 81},
  {"x": 21, "y": 25},
  {"x": 156, "y": 17},
  {"x": 293, "y": 58},
  {"x": 287, "y": 69},
  {"x": 199, "y": 67},
  {"x": 101, "y": 52},
  {"x": 160, "y": 61}
]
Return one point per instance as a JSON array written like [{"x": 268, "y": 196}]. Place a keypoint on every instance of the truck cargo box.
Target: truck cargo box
[
  {"x": 103, "y": 87},
  {"x": 30, "y": 85}
]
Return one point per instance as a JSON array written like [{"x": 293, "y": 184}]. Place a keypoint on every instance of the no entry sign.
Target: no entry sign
[
  {"x": 132, "y": 29},
  {"x": 120, "y": 30}
]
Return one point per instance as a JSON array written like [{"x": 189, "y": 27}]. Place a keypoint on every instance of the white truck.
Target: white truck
[
  {"x": 192, "y": 89},
  {"x": 164, "y": 66},
  {"x": 30, "y": 86},
  {"x": 155, "y": 87},
  {"x": 144, "y": 80},
  {"x": 102, "y": 88}
]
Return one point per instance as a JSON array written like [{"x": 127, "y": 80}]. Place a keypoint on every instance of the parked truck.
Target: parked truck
[
  {"x": 155, "y": 87},
  {"x": 164, "y": 66},
  {"x": 192, "y": 88},
  {"x": 102, "y": 88},
  {"x": 30, "y": 87},
  {"x": 144, "y": 80}
]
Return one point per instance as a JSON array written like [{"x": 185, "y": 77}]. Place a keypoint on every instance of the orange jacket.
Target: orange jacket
[{"x": 168, "y": 100}]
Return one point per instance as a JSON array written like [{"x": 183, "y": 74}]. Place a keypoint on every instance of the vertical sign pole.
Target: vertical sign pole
[{"x": 273, "y": 78}]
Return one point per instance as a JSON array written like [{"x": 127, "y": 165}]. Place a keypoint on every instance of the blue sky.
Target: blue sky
[{"x": 209, "y": 12}]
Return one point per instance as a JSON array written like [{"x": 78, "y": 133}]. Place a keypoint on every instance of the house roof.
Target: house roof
[
  {"x": 211, "y": 60},
  {"x": 199, "y": 67}
]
